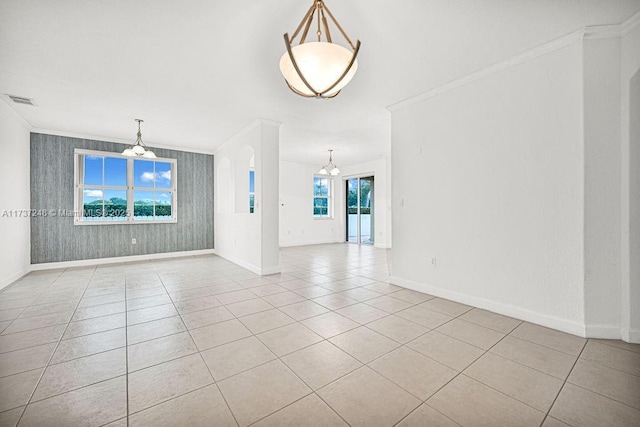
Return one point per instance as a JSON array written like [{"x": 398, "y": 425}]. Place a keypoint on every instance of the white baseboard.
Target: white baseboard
[
  {"x": 630, "y": 335},
  {"x": 116, "y": 260},
  {"x": 607, "y": 332},
  {"x": 553, "y": 322},
  {"x": 13, "y": 277},
  {"x": 270, "y": 270},
  {"x": 376, "y": 245},
  {"x": 253, "y": 268},
  {"x": 311, "y": 242}
]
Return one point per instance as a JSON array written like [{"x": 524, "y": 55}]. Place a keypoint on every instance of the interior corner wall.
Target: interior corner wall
[
  {"x": 14, "y": 198},
  {"x": 630, "y": 95},
  {"x": 249, "y": 239},
  {"x": 488, "y": 195},
  {"x": 268, "y": 188},
  {"x": 602, "y": 239},
  {"x": 297, "y": 224}
]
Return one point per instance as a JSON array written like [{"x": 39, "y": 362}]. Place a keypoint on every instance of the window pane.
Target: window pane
[
  {"x": 143, "y": 175},
  {"x": 252, "y": 179},
  {"x": 320, "y": 187},
  {"x": 93, "y": 170},
  {"x": 92, "y": 203},
  {"x": 115, "y": 205},
  {"x": 163, "y": 205},
  {"x": 163, "y": 175},
  {"x": 320, "y": 206},
  {"x": 115, "y": 171},
  {"x": 143, "y": 205}
]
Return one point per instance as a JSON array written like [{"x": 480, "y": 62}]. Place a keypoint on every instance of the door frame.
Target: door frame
[{"x": 358, "y": 177}]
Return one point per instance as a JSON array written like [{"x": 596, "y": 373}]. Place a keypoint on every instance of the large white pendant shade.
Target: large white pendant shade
[
  {"x": 318, "y": 69},
  {"x": 322, "y": 64}
]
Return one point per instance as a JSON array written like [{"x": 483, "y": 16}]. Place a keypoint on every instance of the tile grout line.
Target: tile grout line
[
  {"x": 201, "y": 358},
  {"x": 126, "y": 343},
  {"x": 362, "y": 365},
  {"x": 57, "y": 344},
  {"x": 255, "y": 335},
  {"x": 458, "y": 374},
  {"x": 359, "y": 325},
  {"x": 35, "y": 298},
  {"x": 604, "y": 396},
  {"x": 564, "y": 383}
]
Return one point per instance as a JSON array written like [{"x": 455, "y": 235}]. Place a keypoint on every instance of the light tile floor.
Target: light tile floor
[{"x": 201, "y": 341}]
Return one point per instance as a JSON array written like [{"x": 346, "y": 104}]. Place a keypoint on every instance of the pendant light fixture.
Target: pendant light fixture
[
  {"x": 138, "y": 149},
  {"x": 329, "y": 168},
  {"x": 318, "y": 69}
]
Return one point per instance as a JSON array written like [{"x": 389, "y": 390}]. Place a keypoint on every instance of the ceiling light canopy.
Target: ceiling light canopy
[
  {"x": 318, "y": 69},
  {"x": 329, "y": 168},
  {"x": 138, "y": 149}
]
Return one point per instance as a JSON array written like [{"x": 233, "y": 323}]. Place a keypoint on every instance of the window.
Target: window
[
  {"x": 252, "y": 190},
  {"x": 322, "y": 205},
  {"x": 111, "y": 189}
]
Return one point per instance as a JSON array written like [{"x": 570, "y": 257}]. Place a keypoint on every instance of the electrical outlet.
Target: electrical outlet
[
  {"x": 433, "y": 261},
  {"x": 133, "y": 241}
]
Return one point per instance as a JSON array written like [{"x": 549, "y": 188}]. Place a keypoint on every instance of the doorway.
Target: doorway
[{"x": 359, "y": 210}]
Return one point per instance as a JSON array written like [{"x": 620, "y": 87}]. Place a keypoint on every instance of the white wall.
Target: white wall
[
  {"x": 15, "y": 249},
  {"x": 488, "y": 179},
  {"x": 630, "y": 95},
  {"x": 297, "y": 225},
  {"x": 248, "y": 239},
  {"x": 602, "y": 147}
]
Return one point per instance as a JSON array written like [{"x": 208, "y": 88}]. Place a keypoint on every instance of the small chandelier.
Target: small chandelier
[
  {"x": 329, "y": 168},
  {"x": 318, "y": 69},
  {"x": 138, "y": 148}
]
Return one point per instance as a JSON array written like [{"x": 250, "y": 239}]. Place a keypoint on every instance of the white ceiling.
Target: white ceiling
[{"x": 199, "y": 71}]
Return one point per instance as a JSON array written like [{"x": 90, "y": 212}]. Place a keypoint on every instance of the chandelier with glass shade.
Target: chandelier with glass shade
[
  {"x": 139, "y": 149},
  {"x": 329, "y": 168},
  {"x": 321, "y": 68}
]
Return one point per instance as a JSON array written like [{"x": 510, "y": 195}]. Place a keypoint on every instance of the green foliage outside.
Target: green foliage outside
[
  {"x": 352, "y": 200},
  {"x": 117, "y": 207}
]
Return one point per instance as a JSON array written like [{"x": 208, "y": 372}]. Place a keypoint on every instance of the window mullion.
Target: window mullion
[{"x": 130, "y": 190}]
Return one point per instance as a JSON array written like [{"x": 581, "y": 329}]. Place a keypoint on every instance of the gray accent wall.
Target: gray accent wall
[{"x": 55, "y": 239}]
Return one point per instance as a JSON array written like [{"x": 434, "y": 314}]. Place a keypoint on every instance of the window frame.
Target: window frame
[
  {"x": 79, "y": 187},
  {"x": 252, "y": 194},
  {"x": 329, "y": 197}
]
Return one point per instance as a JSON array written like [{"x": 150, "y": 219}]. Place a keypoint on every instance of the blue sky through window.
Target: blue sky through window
[
  {"x": 115, "y": 171},
  {"x": 93, "y": 170},
  {"x": 143, "y": 175},
  {"x": 163, "y": 175}
]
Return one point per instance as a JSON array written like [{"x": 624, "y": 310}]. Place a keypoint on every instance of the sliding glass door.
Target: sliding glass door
[{"x": 359, "y": 210}]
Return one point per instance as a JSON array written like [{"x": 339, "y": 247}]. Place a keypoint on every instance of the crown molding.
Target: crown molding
[
  {"x": 118, "y": 140},
  {"x": 541, "y": 50},
  {"x": 587, "y": 33},
  {"x": 18, "y": 117},
  {"x": 630, "y": 24},
  {"x": 602, "y": 32}
]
